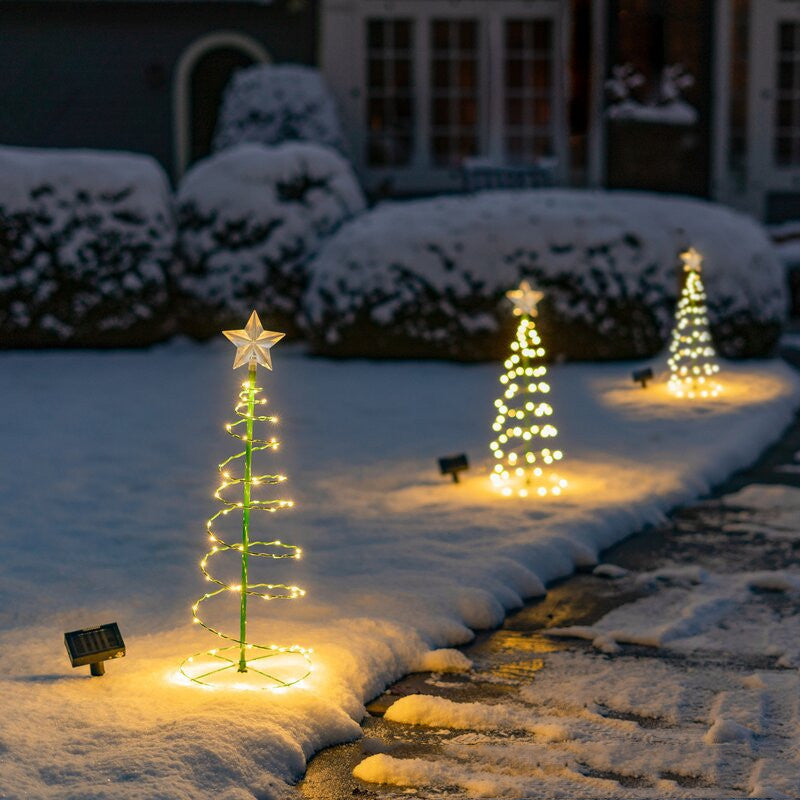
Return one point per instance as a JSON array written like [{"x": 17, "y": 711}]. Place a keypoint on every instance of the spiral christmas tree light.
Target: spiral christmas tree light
[
  {"x": 524, "y": 456},
  {"x": 692, "y": 357},
  {"x": 274, "y": 666}
]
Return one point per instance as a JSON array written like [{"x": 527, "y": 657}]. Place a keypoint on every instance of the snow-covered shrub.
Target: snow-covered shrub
[
  {"x": 270, "y": 104},
  {"x": 86, "y": 243},
  {"x": 249, "y": 218},
  {"x": 427, "y": 278}
]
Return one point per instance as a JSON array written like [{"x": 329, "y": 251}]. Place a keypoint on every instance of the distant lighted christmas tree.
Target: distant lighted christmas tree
[
  {"x": 522, "y": 447},
  {"x": 692, "y": 357}
]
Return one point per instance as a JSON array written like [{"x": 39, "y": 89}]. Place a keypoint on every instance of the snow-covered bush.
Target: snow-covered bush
[
  {"x": 86, "y": 243},
  {"x": 427, "y": 278},
  {"x": 270, "y": 104},
  {"x": 249, "y": 218}
]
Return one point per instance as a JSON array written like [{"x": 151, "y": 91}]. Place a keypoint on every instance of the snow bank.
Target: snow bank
[
  {"x": 273, "y": 103},
  {"x": 86, "y": 242},
  {"x": 424, "y": 709},
  {"x": 249, "y": 219},
  {"x": 422, "y": 772},
  {"x": 444, "y": 660},
  {"x": 108, "y": 465},
  {"x": 426, "y": 278}
]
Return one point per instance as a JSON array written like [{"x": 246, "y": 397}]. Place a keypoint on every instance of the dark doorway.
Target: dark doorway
[
  {"x": 209, "y": 78},
  {"x": 658, "y": 114}
]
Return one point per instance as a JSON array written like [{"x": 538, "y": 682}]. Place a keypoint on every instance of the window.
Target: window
[
  {"x": 427, "y": 87},
  {"x": 454, "y": 90},
  {"x": 390, "y": 101},
  {"x": 787, "y": 96},
  {"x": 528, "y": 84}
]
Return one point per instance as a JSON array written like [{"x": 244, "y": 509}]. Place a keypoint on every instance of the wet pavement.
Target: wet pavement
[{"x": 712, "y": 534}]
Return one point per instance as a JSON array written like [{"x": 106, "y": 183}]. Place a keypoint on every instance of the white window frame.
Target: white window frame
[
  {"x": 343, "y": 59},
  {"x": 764, "y": 174}
]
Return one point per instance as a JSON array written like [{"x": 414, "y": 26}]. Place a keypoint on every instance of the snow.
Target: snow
[
  {"x": 273, "y": 103},
  {"x": 609, "y": 571},
  {"x": 89, "y": 241},
  {"x": 690, "y": 612},
  {"x": 251, "y": 216},
  {"x": 443, "y": 660},
  {"x": 109, "y": 463},
  {"x": 423, "y": 709},
  {"x": 433, "y": 273},
  {"x": 668, "y": 108}
]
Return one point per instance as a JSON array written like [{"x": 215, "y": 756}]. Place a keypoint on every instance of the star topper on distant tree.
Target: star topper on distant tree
[
  {"x": 692, "y": 260},
  {"x": 525, "y": 299},
  {"x": 253, "y": 343}
]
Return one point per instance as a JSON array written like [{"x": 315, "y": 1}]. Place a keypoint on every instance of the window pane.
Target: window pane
[
  {"x": 529, "y": 89},
  {"x": 390, "y": 91},
  {"x": 787, "y": 97},
  {"x": 455, "y": 78}
]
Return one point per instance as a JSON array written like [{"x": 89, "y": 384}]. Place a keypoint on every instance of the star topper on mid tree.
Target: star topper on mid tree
[
  {"x": 521, "y": 447},
  {"x": 274, "y": 666}
]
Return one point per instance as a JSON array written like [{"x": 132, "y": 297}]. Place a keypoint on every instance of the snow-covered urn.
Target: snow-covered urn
[
  {"x": 274, "y": 103},
  {"x": 86, "y": 242},
  {"x": 426, "y": 278},
  {"x": 249, "y": 218}
]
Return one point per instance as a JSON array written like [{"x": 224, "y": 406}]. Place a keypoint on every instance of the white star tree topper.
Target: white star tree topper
[
  {"x": 525, "y": 299},
  {"x": 253, "y": 343},
  {"x": 692, "y": 260}
]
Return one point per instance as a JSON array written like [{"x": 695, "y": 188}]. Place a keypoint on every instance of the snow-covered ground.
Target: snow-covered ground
[
  {"x": 108, "y": 464},
  {"x": 689, "y": 687}
]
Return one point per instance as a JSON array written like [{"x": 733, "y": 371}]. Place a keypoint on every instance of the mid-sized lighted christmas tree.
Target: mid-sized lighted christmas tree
[
  {"x": 524, "y": 448},
  {"x": 243, "y": 663},
  {"x": 692, "y": 357}
]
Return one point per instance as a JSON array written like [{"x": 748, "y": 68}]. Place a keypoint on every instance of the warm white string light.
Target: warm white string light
[
  {"x": 692, "y": 357},
  {"x": 523, "y": 447}
]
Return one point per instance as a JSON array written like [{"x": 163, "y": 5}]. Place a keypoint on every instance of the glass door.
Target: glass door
[
  {"x": 658, "y": 95},
  {"x": 774, "y": 133}
]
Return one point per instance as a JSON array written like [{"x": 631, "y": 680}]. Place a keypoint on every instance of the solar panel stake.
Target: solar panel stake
[
  {"x": 452, "y": 465},
  {"x": 93, "y": 646},
  {"x": 642, "y": 376}
]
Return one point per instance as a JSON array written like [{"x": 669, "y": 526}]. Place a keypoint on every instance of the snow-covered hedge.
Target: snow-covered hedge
[
  {"x": 86, "y": 242},
  {"x": 274, "y": 103},
  {"x": 249, "y": 219},
  {"x": 427, "y": 278}
]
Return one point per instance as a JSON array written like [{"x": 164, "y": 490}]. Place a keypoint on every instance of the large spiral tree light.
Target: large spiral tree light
[
  {"x": 274, "y": 666},
  {"x": 522, "y": 449}
]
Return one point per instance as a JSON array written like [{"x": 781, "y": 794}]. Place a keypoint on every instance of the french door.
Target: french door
[
  {"x": 774, "y": 122},
  {"x": 443, "y": 82}
]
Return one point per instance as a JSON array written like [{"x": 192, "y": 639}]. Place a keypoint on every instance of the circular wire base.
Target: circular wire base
[{"x": 265, "y": 667}]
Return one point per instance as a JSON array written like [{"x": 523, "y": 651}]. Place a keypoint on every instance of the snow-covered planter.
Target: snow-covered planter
[
  {"x": 249, "y": 218},
  {"x": 86, "y": 243},
  {"x": 274, "y": 103},
  {"x": 427, "y": 278}
]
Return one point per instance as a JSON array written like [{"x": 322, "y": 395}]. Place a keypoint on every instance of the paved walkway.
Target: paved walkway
[{"x": 675, "y": 675}]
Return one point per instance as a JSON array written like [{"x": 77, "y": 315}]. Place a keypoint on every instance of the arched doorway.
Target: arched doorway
[{"x": 200, "y": 77}]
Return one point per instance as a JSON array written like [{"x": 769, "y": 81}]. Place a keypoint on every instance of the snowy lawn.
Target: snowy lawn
[{"x": 108, "y": 467}]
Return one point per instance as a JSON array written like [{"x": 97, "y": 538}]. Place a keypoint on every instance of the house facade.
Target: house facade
[
  {"x": 140, "y": 76},
  {"x": 699, "y": 97}
]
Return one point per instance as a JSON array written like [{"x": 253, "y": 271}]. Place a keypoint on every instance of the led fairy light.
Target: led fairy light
[
  {"x": 692, "y": 357},
  {"x": 523, "y": 449},
  {"x": 252, "y": 348}
]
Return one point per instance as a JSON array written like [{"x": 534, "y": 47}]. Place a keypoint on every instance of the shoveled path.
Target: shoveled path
[{"x": 640, "y": 714}]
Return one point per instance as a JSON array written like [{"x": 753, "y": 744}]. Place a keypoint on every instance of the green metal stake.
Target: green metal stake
[{"x": 248, "y": 471}]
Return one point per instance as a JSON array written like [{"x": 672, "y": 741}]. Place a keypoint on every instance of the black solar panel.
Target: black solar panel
[{"x": 94, "y": 644}]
